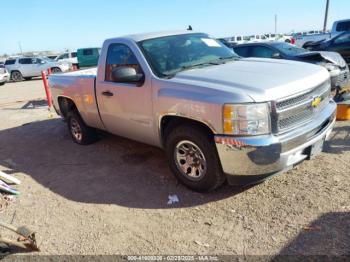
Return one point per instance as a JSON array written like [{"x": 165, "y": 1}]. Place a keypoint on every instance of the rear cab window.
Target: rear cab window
[{"x": 343, "y": 26}]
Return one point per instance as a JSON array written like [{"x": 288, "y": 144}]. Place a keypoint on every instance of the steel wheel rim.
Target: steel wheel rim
[
  {"x": 76, "y": 129},
  {"x": 190, "y": 160}
]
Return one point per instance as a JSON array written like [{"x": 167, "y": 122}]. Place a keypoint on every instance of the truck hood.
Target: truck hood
[{"x": 260, "y": 79}]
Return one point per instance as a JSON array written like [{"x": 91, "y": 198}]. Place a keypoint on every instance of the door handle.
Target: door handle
[{"x": 107, "y": 93}]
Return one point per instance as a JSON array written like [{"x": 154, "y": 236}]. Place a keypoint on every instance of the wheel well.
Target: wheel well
[
  {"x": 12, "y": 71},
  {"x": 168, "y": 123},
  {"x": 66, "y": 105}
]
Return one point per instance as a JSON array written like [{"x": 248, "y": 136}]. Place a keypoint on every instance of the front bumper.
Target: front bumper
[
  {"x": 4, "y": 78},
  {"x": 249, "y": 159}
]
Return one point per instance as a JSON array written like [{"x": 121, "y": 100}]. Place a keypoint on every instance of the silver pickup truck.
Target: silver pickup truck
[{"x": 216, "y": 115}]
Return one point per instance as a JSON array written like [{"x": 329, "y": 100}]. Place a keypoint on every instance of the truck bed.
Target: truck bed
[
  {"x": 90, "y": 72},
  {"x": 80, "y": 87}
]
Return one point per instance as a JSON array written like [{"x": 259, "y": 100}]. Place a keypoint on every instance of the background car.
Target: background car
[
  {"x": 339, "y": 43},
  {"x": 4, "y": 75},
  {"x": 24, "y": 68},
  {"x": 88, "y": 57},
  {"x": 226, "y": 43},
  {"x": 68, "y": 57},
  {"x": 305, "y": 38},
  {"x": 332, "y": 61}
]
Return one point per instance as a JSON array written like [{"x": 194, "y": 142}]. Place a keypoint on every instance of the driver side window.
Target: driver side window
[{"x": 120, "y": 55}]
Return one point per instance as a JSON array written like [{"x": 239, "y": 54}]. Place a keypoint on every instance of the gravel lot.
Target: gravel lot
[{"x": 111, "y": 197}]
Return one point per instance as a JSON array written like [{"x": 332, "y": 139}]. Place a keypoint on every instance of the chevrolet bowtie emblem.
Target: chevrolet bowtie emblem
[{"x": 316, "y": 102}]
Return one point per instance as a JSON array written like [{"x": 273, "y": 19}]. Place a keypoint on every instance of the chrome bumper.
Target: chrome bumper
[{"x": 262, "y": 156}]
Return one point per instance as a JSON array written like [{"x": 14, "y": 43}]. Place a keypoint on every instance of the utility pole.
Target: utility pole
[
  {"x": 20, "y": 47},
  {"x": 326, "y": 17},
  {"x": 275, "y": 24}
]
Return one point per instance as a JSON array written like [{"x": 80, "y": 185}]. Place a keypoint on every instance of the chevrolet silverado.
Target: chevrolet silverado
[{"x": 216, "y": 115}]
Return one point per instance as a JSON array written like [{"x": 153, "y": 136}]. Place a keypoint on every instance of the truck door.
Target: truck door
[{"x": 125, "y": 108}]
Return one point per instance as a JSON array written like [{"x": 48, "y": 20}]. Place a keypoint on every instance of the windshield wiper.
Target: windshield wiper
[
  {"x": 184, "y": 68},
  {"x": 224, "y": 59}
]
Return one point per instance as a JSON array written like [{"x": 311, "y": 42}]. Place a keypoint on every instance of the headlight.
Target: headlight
[{"x": 246, "y": 119}]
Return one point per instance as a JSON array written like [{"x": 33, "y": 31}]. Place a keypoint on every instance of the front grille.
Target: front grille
[
  {"x": 302, "y": 116},
  {"x": 297, "y": 110}
]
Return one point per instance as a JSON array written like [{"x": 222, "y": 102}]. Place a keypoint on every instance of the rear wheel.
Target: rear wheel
[
  {"x": 80, "y": 132},
  {"x": 2, "y": 83},
  {"x": 16, "y": 76},
  {"x": 193, "y": 158}
]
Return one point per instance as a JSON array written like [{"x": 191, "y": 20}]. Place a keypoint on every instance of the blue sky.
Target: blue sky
[{"x": 57, "y": 25}]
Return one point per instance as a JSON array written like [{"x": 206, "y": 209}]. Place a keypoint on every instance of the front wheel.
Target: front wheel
[
  {"x": 193, "y": 159},
  {"x": 80, "y": 132},
  {"x": 16, "y": 76}
]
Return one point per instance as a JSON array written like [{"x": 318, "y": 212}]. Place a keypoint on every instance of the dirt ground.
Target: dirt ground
[{"x": 111, "y": 197}]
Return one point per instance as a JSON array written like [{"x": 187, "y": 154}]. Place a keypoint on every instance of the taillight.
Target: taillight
[{"x": 292, "y": 41}]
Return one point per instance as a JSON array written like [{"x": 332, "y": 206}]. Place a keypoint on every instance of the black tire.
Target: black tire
[
  {"x": 87, "y": 135},
  {"x": 16, "y": 76},
  {"x": 56, "y": 70},
  {"x": 2, "y": 83},
  {"x": 213, "y": 177}
]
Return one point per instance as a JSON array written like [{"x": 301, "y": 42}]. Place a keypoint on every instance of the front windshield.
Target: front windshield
[
  {"x": 290, "y": 50},
  {"x": 171, "y": 54}
]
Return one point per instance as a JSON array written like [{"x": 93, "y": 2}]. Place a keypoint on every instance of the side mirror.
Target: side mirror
[
  {"x": 126, "y": 75},
  {"x": 276, "y": 56}
]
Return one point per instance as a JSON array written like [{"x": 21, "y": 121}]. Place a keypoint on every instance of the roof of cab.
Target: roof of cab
[{"x": 145, "y": 36}]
